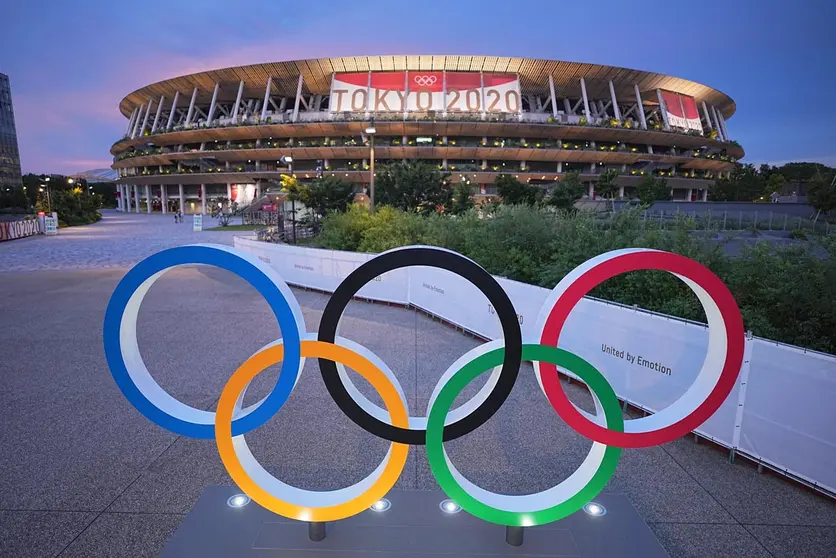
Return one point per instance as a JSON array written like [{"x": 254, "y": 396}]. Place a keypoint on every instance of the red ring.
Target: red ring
[{"x": 634, "y": 261}]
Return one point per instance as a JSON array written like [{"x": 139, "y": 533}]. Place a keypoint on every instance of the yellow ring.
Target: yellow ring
[{"x": 317, "y": 349}]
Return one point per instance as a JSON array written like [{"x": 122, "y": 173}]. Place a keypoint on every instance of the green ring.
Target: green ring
[{"x": 533, "y": 352}]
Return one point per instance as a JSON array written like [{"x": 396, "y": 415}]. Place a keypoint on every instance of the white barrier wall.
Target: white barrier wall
[{"x": 780, "y": 412}]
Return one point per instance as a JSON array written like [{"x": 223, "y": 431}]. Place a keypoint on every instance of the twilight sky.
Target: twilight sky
[{"x": 70, "y": 63}]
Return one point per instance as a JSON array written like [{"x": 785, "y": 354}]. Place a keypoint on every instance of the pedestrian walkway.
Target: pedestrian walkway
[{"x": 118, "y": 240}]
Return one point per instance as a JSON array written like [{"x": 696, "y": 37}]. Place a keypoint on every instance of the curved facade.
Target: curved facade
[{"x": 229, "y": 133}]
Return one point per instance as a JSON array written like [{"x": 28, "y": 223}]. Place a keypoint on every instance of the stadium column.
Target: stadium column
[
  {"x": 145, "y": 119},
  {"x": 720, "y": 133},
  {"x": 173, "y": 110},
  {"x": 705, "y": 195},
  {"x": 159, "y": 112},
  {"x": 640, "y": 106},
  {"x": 237, "y": 102},
  {"x": 592, "y": 190},
  {"x": 663, "y": 108},
  {"x": 585, "y": 102},
  {"x": 266, "y": 97},
  {"x": 164, "y": 198},
  {"x": 299, "y": 98},
  {"x": 620, "y": 190},
  {"x": 147, "y": 198},
  {"x": 723, "y": 125},
  {"x": 213, "y": 105},
  {"x": 258, "y": 190},
  {"x": 688, "y": 193},
  {"x": 131, "y": 121},
  {"x": 182, "y": 199},
  {"x": 191, "y": 107},
  {"x": 553, "y": 96},
  {"x": 229, "y": 190},
  {"x": 136, "y": 122},
  {"x": 203, "y": 199},
  {"x": 615, "y": 110},
  {"x": 136, "y": 197},
  {"x": 707, "y": 116}
]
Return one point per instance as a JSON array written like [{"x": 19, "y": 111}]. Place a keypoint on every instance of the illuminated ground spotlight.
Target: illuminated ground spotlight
[
  {"x": 595, "y": 509},
  {"x": 449, "y": 506},
  {"x": 381, "y": 505},
  {"x": 238, "y": 501}
]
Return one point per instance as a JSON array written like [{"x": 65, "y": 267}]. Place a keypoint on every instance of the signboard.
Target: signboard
[
  {"x": 425, "y": 91},
  {"x": 682, "y": 111},
  {"x": 51, "y": 226},
  {"x": 198, "y": 223}
]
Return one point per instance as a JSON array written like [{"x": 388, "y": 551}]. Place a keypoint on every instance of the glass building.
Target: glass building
[{"x": 9, "y": 155}]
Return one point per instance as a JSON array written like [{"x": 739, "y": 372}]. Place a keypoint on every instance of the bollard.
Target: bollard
[
  {"x": 316, "y": 531},
  {"x": 514, "y": 535}
]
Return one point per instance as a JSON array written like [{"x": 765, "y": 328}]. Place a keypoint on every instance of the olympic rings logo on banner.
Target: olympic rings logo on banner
[
  {"x": 425, "y": 80},
  {"x": 500, "y": 358}
]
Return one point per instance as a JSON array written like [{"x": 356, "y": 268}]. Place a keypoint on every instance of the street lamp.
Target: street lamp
[{"x": 371, "y": 131}]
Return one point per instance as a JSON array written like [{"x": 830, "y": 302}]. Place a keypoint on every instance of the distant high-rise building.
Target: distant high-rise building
[{"x": 9, "y": 155}]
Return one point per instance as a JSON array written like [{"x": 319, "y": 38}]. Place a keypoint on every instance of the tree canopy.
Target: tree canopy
[
  {"x": 566, "y": 192},
  {"x": 514, "y": 192},
  {"x": 413, "y": 186},
  {"x": 652, "y": 189}
]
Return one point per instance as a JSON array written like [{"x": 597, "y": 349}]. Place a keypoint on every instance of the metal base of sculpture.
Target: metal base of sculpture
[{"x": 413, "y": 526}]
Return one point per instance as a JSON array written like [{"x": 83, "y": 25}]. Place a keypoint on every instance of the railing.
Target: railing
[{"x": 431, "y": 116}]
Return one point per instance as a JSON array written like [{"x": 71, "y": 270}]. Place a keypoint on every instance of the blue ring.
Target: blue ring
[{"x": 254, "y": 276}]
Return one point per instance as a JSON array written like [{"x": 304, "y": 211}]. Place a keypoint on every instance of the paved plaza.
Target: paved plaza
[{"x": 85, "y": 475}]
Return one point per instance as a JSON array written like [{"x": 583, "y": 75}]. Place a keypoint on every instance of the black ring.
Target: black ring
[{"x": 441, "y": 259}]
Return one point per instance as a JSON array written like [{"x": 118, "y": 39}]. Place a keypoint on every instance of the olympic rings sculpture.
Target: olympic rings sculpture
[{"x": 393, "y": 422}]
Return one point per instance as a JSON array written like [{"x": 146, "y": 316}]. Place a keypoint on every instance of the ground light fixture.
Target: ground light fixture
[
  {"x": 449, "y": 506},
  {"x": 595, "y": 509},
  {"x": 238, "y": 501},
  {"x": 381, "y": 505}
]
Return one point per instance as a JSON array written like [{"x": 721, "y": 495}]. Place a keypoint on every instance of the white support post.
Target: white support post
[
  {"x": 620, "y": 190},
  {"x": 663, "y": 109},
  {"x": 159, "y": 112},
  {"x": 299, "y": 97},
  {"x": 136, "y": 122},
  {"x": 147, "y": 116},
  {"x": 182, "y": 199},
  {"x": 173, "y": 110},
  {"x": 238, "y": 102},
  {"x": 131, "y": 121},
  {"x": 723, "y": 125},
  {"x": 191, "y": 107},
  {"x": 640, "y": 106},
  {"x": 203, "y": 199},
  {"x": 136, "y": 197},
  {"x": 257, "y": 190},
  {"x": 553, "y": 96},
  {"x": 567, "y": 106},
  {"x": 615, "y": 109},
  {"x": 720, "y": 133},
  {"x": 689, "y": 192},
  {"x": 705, "y": 195},
  {"x": 707, "y": 116},
  {"x": 213, "y": 105},
  {"x": 585, "y": 102},
  {"x": 147, "y": 198},
  {"x": 266, "y": 98},
  {"x": 229, "y": 191},
  {"x": 164, "y": 198},
  {"x": 592, "y": 190},
  {"x": 482, "y": 94}
]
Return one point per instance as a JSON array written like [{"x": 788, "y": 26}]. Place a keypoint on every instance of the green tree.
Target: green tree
[
  {"x": 821, "y": 193},
  {"x": 413, "y": 186},
  {"x": 652, "y": 189},
  {"x": 328, "y": 194},
  {"x": 514, "y": 192},
  {"x": 295, "y": 191},
  {"x": 462, "y": 200},
  {"x": 606, "y": 186},
  {"x": 745, "y": 184},
  {"x": 774, "y": 183},
  {"x": 566, "y": 192}
]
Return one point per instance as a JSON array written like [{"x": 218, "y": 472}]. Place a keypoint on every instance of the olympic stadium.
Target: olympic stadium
[{"x": 232, "y": 132}]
